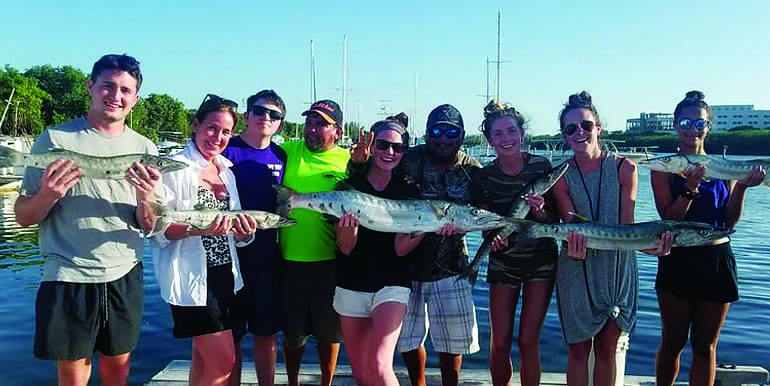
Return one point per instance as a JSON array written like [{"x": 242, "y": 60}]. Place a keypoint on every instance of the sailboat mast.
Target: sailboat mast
[
  {"x": 312, "y": 73},
  {"x": 344, "y": 78},
  {"x": 499, "y": 17},
  {"x": 10, "y": 98}
]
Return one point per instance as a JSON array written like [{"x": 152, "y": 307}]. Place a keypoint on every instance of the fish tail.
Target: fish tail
[
  {"x": 9, "y": 157},
  {"x": 471, "y": 272},
  {"x": 284, "y": 200}
]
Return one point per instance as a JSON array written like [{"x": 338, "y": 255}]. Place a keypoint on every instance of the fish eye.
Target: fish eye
[
  {"x": 475, "y": 212},
  {"x": 161, "y": 163}
]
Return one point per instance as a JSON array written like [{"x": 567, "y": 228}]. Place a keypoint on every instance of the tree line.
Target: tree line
[{"x": 44, "y": 96}]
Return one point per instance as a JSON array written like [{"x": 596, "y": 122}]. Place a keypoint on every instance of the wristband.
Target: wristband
[{"x": 689, "y": 193}]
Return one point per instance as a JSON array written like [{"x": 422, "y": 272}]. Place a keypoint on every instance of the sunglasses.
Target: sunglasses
[
  {"x": 572, "y": 127},
  {"x": 219, "y": 101},
  {"x": 261, "y": 110},
  {"x": 699, "y": 124},
  {"x": 450, "y": 133},
  {"x": 384, "y": 145}
]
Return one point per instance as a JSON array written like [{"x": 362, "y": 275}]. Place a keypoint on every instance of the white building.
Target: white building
[
  {"x": 727, "y": 117},
  {"x": 649, "y": 123}
]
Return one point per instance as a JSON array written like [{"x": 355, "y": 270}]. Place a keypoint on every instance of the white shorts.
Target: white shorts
[
  {"x": 446, "y": 308},
  {"x": 358, "y": 304}
]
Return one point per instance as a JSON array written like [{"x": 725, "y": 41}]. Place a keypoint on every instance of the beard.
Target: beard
[{"x": 314, "y": 143}]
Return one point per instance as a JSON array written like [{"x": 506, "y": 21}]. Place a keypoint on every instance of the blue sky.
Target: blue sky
[{"x": 633, "y": 57}]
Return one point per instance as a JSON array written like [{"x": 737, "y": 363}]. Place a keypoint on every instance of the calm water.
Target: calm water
[{"x": 745, "y": 340}]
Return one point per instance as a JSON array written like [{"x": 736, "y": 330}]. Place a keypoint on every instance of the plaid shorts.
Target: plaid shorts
[{"x": 446, "y": 308}]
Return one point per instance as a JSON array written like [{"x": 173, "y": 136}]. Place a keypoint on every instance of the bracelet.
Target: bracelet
[{"x": 689, "y": 193}]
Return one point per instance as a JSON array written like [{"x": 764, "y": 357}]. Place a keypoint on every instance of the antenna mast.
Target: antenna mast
[
  {"x": 312, "y": 73},
  {"x": 344, "y": 77}
]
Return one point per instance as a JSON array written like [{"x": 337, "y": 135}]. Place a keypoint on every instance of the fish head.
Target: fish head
[
  {"x": 469, "y": 218},
  {"x": 694, "y": 233},
  {"x": 162, "y": 164},
  {"x": 666, "y": 164}
]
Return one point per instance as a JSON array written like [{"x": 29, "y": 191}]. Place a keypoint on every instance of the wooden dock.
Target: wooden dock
[{"x": 175, "y": 374}]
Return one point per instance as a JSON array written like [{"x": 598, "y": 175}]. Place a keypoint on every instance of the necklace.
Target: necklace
[{"x": 588, "y": 193}]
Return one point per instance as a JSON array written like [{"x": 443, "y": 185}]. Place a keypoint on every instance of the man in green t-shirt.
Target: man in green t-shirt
[
  {"x": 314, "y": 164},
  {"x": 90, "y": 296}
]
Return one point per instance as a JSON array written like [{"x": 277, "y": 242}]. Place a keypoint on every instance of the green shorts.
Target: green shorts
[{"x": 308, "y": 297}]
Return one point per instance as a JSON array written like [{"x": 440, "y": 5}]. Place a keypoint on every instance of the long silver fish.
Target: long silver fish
[
  {"x": 103, "y": 168},
  {"x": 519, "y": 209},
  {"x": 642, "y": 235},
  {"x": 717, "y": 167},
  {"x": 395, "y": 216},
  {"x": 201, "y": 218}
]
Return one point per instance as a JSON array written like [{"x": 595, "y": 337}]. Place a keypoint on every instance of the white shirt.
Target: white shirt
[{"x": 180, "y": 265}]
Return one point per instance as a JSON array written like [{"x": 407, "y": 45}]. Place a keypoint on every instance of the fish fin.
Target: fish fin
[
  {"x": 283, "y": 198},
  {"x": 437, "y": 210},
  {"x": 343, "y": 185},
  {"x": 578, "y": 218},
  {"x": 413, "y": 235},
  {"x": 330, "y": 218}
]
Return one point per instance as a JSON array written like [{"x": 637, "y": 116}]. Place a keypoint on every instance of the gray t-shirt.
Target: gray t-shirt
[{"x": 91, "y": 234}]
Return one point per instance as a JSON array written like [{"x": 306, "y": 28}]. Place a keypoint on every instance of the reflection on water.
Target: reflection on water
[{"x": 744, "y": 338}]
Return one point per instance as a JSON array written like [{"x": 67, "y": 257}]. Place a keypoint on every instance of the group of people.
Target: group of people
[{"x": 335, "y": 281}]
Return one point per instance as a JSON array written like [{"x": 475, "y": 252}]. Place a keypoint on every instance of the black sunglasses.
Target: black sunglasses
[
  {"x": 699, "y": 124},
  {"x": 261, "y": 110},
  {"x": 218, "y": 100},
  {"x": 384, "y": 145},
  {"x": 572, "y": 127},
  {"x": 450, "y": 133}
]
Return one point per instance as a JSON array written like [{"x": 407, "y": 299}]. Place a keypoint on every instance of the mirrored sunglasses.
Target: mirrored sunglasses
[
  {"x": 572, "y": 127},
  {"x": 699, "y": 124},
  {"x": 384, "y": 145},
  {"x": 261, "y": 110},
  {"x": 450, "y": 133}
]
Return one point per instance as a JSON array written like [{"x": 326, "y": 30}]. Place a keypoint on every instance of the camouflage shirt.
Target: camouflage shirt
[{"x": 438, "y": 257}]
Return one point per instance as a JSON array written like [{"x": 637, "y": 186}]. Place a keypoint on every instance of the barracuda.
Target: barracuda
[
  {"x": 102, "y": 168},
  {"x": 394, "y": 216},
  {"x": 201, "y": 218},
  {"x": 717, "y": 167},
  {"x": 642, "y": 235},
  {"x": 519, "y": 209}
]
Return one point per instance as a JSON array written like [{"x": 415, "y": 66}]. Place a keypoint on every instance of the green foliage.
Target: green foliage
[
  {"x": 23, "y": 116},
  {"x": 160, "y": 113},
  {"x": 291, "y": 130},
  {"x": 67, "y": 89}
]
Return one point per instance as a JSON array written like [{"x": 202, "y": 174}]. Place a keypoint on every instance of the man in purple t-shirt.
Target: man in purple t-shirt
[{"x": 258, "y": 164}]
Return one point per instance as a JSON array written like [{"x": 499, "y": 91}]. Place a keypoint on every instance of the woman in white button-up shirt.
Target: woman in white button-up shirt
[{"x": 197, "y": 269}]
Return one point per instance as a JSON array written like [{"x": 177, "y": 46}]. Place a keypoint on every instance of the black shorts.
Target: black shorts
[
  {"x": 190, "y": 321},
  {"x": 75, "y": 320},
  {"x": 309, "y": 294},
  {"x": 703, "y": 272},
  {"x": 258, "y": 306}
]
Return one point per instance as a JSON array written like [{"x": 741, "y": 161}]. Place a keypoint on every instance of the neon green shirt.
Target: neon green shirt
[{"x": 312, "y": 238}]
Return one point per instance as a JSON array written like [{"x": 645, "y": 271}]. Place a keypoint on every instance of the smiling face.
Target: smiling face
[
  {"x": 262, "y": 124},
  {"x": 388, "y": 158},
  {"x": 505, "y": 136},
  {"x": 113, "y": 94},
  {"x": 583, "y": 140},
  {"x": 691, "y": 140},
  {"x": 320, "y": 135},
  {"x": 213, "y": 134},
  {"x": 443, "y": 149}
]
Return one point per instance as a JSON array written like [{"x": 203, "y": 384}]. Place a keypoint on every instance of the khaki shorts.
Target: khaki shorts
[{"x": 358, "y": 304}]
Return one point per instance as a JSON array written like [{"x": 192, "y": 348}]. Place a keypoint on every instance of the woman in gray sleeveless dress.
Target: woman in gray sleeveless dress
[{"x": 596, "y": 289}]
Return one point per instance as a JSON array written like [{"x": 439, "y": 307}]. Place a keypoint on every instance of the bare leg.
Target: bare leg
[
  {"x": 213, "y": 357},
  {"x": 265, "y": 352},
  {"x": 708, "y": 318},
  {"x": 536, "y": 297},
  {"x": 292, "y": 357},
  {"x": 502, "y": 311},
  {"x": 356, "y": 332},
  {"x": 235, "y": 377},
  {"x": 74, "y": 373},
  {"x": 415, "y": 364},
  {"x": 387, "y": 319},
  {"x": 675, "y": 318},
  {"x": 327, "y": 355},
  {"x": 114, "y": 369},
  {"x": 577, "y": 363},
  {"x": 450, "y": 365},
  {"x": 605, "y": 347}
]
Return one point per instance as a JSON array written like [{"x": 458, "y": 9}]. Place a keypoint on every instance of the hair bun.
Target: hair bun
[
  {"x": 495, "y": 107},
  {"x": 581, "y": 99},
  {"x": 695, "y": 95},
  {"x": 400, "y": 118}
]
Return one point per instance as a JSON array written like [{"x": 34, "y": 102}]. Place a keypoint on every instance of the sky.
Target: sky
[{"x": 632, "y": 56}]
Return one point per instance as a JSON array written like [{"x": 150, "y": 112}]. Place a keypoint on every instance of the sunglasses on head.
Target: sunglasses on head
[
  {"x": 384, "y": 145},
  {"x": 698, "y": 124},
  {"x": 572, "y": 127},
  {"x": 261, "y": 110},
  {"x": 450, "y": 133},
  {"x": 219, "y": 100}
]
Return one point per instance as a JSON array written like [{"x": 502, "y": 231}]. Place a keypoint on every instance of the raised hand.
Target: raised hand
[{"x": 359, "y": 151}]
